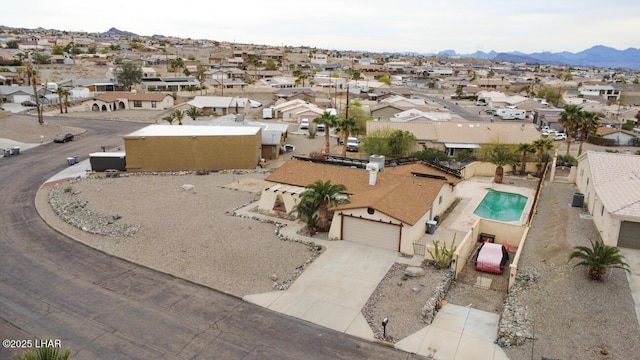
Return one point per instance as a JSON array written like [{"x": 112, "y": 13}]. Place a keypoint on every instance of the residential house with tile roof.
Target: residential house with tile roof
[
  {"x": 610, "y": 185},
  {"x": 296, "y": 110},
  {"x": 221, "y": 105},
  {"x": 112, "y": 101},
  {"x": 387, "y": 209},
  {"x": 454, "y": 136}
]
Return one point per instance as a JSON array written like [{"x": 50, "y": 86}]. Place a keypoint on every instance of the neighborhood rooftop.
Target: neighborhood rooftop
[{"x": 189, "y": 130}]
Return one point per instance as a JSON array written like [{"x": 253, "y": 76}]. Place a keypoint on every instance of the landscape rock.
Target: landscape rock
[
  {"x": 414, "y": 271},
  {"x": 188, "y": 187}
]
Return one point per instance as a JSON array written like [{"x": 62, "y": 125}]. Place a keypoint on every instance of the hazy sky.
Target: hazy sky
[{"x": 397, "y": 26}]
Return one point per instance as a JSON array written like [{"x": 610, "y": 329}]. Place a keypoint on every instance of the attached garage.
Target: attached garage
[
  {"x": 629, "y": 235},
  {"x": 370, "y": 232}
]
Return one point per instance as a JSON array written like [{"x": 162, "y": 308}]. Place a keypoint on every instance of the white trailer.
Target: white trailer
[
  {"x": 267, "y": 113},
  {"x": 511, "y": 114}
]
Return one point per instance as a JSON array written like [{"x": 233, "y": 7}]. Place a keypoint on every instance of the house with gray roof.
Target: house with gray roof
[{"x": 610, "y": 186}]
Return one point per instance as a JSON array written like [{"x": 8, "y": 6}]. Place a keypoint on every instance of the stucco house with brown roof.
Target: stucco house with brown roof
[
  {"x": 610, "y": 185},
  {"x": 112, "y": 101},
  {"x": 620, "y": 137},
  {"x": 387, "y": 209},
  {"x": 454, "y": 136}
]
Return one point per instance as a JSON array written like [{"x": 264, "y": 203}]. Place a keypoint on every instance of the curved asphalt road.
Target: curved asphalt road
[{"x": 105, "y": 308}]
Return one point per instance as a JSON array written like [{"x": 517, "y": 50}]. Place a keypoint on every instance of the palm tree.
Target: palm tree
[
  {"x": 66, "y": 94},
  {"x": 525, "y": 149},
  {"x": 589, "y": 124},
  {"x": 571, "y": 118},
  {"x": 345, "y": 127},
  {"x": 179, "y": 115},
  {"x": 328, "y": 120},
  {"x": 321, "y": 196},
  {"x": 60, "y": 92},
  {"x": 307, "y": 212},
  {"x": 170, "y": 118},
  {"x": 542, "y": 145},
  {"x": 500, "y": 155},
  {"x": 193, "y": 113},
  {"x": 599, "y": 259}
]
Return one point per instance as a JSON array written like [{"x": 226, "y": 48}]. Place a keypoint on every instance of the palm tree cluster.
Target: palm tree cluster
[
  {"x": 315, "y": 202},
  {"x": 63, "y": 93},
  {"x": 503, "y": 155},
  {"x": 343, "y": 126},
  {"x": 176, "y": 115},
  {"x": 574, "y": 118}
]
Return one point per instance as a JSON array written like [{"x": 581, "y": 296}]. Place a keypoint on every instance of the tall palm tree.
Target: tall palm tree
[
  {"x": 525, "y": 149},
  {"x": 345, "y": 127},
  {"x": 500, "y": 155},
  {"x": 321, "y": 196},
  {"x": 60, "y": 92},
  {"x": 571, "y": 118},
  {"x": 66, "y": 94},
  {"x": 589, "y": 124},
  {"x": 328, "y": 120},
  {"x": 599, "y": 259},
  {"x": 193, "y": 113}
]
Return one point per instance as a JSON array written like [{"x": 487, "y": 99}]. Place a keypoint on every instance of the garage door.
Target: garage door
[
  {"x": 629, "y": 236},
  {"x": 373, "y": 233}
]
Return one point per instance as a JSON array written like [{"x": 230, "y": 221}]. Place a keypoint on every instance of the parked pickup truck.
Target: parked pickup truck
[{"x": 353, "y": 144}]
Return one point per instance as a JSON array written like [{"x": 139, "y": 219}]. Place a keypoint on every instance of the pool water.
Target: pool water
[{"x": 501, "y": 206}]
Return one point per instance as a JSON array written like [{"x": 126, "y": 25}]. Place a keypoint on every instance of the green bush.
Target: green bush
[
  {"x": 595, "y": 140},
  {"x": 431, "y": 155},
  {"x": 566, "y": 160}
]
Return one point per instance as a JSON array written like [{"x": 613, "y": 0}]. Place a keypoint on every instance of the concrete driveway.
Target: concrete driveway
[
  {"x": 335, "y": 288},
  {"x": 632, "y": 257}
]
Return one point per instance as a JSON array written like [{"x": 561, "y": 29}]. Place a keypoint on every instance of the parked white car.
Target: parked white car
[
  {"x": 560, "y": 137},
  {"x": 304, "y": 124}
]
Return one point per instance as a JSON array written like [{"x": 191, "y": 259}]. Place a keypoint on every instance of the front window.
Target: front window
[
  {"x": 153, "y": 104},
  {"x": 137, "y": 103}
]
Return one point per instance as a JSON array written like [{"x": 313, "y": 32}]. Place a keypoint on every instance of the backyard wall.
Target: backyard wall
[
  {"x": 512, "y": 235},
  {"x": 479, "y": 168}
]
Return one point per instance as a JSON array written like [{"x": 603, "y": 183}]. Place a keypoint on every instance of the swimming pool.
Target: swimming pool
[{"x": 501, "y": 206}]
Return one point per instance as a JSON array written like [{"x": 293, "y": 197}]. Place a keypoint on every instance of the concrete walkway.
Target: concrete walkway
[{"x": 457, "y": 333}]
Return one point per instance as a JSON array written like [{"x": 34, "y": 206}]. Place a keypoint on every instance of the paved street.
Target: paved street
[{"x": 103, "y": 307}]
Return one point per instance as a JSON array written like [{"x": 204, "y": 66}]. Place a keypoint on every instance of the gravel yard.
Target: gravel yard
[{"x": 189, "y": 234}]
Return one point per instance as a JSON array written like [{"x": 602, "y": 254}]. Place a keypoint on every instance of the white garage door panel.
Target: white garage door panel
[{"x": 371, "y": 233}]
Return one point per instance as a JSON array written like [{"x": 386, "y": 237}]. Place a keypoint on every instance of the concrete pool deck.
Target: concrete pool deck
[{"x": 472, "y": 191}]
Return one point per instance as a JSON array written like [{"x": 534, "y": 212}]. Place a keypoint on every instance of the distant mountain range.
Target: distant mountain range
[{"x": 597, "y": 56}]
